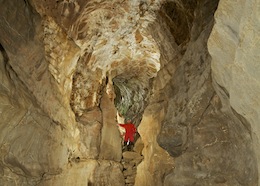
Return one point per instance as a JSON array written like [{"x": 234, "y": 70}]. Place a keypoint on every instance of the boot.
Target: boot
[{"x": 125, "y": 148}]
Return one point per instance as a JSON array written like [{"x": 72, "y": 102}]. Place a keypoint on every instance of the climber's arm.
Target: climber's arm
[{"x": 121, "y": 125}]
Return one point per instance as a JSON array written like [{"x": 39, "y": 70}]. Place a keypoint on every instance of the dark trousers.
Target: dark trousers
[{"x": 129, "y": 145}]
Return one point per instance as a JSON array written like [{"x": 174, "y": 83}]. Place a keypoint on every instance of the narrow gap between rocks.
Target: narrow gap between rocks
[{"x": 130, "y": 102}]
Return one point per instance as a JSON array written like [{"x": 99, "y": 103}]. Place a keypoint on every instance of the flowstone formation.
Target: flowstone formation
[{"x": 71, "y": 70}]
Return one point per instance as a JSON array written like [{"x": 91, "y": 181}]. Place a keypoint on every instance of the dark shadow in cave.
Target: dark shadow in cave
[
  {"x": 131, "y": 97},
  {"x": 5, "y": 56}
]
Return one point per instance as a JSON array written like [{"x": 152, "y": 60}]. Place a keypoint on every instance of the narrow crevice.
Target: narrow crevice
[
  {"x": 132, "y": 96},
  {"x": 5, "y": 56}
]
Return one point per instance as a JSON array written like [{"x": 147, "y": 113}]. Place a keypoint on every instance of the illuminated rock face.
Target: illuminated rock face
[
  {"x": 70, "y": 68},
  {"x": 112, "y": 41},
  {"x": 234, "y": 47}
]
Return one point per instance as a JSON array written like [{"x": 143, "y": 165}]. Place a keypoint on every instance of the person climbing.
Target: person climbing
[{"x": 130, "y": 131}]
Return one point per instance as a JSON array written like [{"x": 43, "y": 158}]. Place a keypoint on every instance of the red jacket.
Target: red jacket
[{"x": 130, "y": 131}]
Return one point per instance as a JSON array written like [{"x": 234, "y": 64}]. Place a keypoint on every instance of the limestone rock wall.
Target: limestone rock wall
[
  {"x": 41, "y": 140},
  {"x": 67, "y": 68},
  {"x": 31, "y": 143},
  {"x": 35, "y": 150},
  {"x": 234, "y": 47},
  {"x": 208, "y": 140},
  {"x": 25, "y": 48}
]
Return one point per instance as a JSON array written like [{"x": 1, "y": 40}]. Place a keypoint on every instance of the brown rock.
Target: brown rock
[
  {"x": 129, "y": 155},
  {"x": 128, "y": 172},
  {"x": 130, "y": 179},
  {"x": 136, "y": 161},
  {"x": 138, "y": 147},
  {"x": 110, "y": 147},
  {"x": 138, "y": 36},
  {"x": 91, "y": 116},
  {"x": 127, "y": 165}
]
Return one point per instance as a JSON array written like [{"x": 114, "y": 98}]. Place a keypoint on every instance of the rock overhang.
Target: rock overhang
[{"x": 117, "y": 43}]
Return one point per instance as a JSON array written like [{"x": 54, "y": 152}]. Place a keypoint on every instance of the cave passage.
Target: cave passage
[
  {"x": 132, "y": 96},
  {"x": 184, "y": 72}
]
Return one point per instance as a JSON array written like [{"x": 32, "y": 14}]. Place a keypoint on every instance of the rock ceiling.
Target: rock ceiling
[{"x": 111, "y": 41}]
